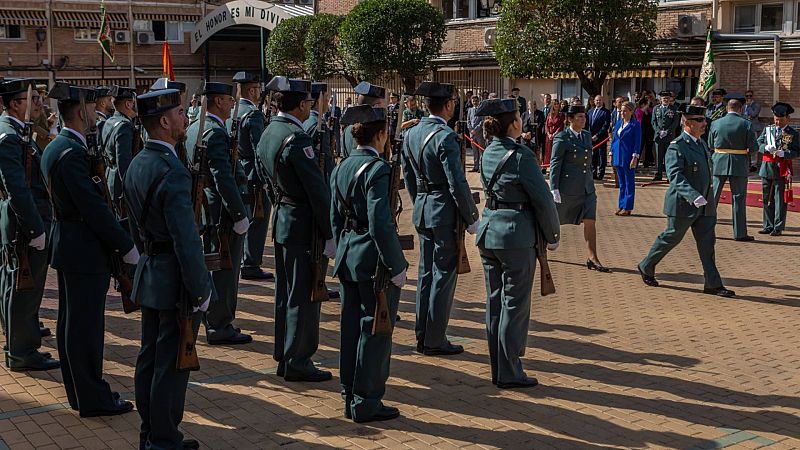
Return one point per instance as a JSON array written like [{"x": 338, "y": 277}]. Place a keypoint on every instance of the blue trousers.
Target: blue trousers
[{"x": 627, "y": 186}]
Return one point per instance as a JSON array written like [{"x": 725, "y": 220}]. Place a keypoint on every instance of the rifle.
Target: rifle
[
  {"x": 120, "y": 271},
  {"x": 547, "y": 286},
  {"x": 225, "y": 228},
  {"x": 187, "y": 359},
  {"x": 462, "y": 260},
  {"x": 256, "y": 188},
  {"x": 319, "y": 264},
  {"x": 333, "y": 125},
  {"x": 24, "y": 277},
  {"x": 138, "y": 144}
]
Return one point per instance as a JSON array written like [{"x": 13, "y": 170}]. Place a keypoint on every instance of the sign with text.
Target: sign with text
[{"x": 248, "y": 12}]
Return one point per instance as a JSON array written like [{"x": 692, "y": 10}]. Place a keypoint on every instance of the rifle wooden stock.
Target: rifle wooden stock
[
  {"x": 224, "y": 232},
  {"x": 24, "y": 277},
  {"x": 462, "y": 260},
  {"x": 319, "y": 264},
  {"x": 547, "y": 286},
  {"x": 258, "y": 203},
  {"x": 124, "y": 284},
  {"x": 213, "y": 262},
  {"x": 187, "y": 350},
  {"x": 382, "y": 323}
]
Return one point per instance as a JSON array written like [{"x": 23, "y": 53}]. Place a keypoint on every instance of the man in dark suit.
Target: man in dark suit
[
  {"x": 523, "y": 104},
  {"x": 533, "y": 127},
  {"x": 599, "y": 124}
]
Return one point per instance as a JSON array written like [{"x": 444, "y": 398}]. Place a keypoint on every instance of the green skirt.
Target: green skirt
[{"x": 574, "y": 209}]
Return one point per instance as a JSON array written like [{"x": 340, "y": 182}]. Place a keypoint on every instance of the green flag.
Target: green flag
[
  {"x": 708, "y": 74},
  {"x": 104, "y": 35}
]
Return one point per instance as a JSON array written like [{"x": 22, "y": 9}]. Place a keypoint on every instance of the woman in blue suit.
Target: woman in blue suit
[{"x": 625, "y": 147}]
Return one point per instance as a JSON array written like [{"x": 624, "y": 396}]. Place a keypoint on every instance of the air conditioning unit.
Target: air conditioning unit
[
  {"x": 691, "y": 25},
  {"x": 488, "y": 37},
  {"x": 122, "y": 36},
  {"x": 145, "y": 38}
]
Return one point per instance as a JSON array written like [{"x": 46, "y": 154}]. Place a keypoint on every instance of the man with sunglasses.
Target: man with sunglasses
[{"x": 688, "y": 203}]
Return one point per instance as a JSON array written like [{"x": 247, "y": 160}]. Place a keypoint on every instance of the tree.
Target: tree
[
  {"x": 537, "y": 38},
  {"x": 380, "y": 37},
  {"x": 323, "y": 56},
  {"x": 285, "y": 52}
]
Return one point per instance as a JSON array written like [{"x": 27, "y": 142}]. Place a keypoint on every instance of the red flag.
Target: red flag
[{"x": 167, "y": 62}]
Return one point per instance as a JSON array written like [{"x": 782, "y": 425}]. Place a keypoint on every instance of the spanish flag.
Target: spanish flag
[{"x": 167, "y": 62}]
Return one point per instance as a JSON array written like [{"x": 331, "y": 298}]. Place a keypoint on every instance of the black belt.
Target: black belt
[
  {"x": 494, "y": 204},
  {"x": 158, "y": 247},
  {"x": 357, "y": 226},
  {"x": 427, "y": 188}
]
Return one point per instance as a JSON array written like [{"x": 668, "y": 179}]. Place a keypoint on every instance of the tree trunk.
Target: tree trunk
[
  {"x": 409, "y": 84},
  {"x": 352, "y": 79},
  {"x": 592, "y": 82}
]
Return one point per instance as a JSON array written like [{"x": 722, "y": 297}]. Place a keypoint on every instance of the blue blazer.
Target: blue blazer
[
  {"x": 599, "y": 122},
  {"x": 625, "y": 145}
]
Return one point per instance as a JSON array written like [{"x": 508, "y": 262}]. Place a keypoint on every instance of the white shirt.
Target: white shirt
[
  {"x": 577, "y": 134},
  {"x": 80, "y": 136},
  {"x": 165, "y": 144},
  {"x": 21, "y": 123},
  {"x": 622, "y": 127},
  {"x": 370, "y": 148},
  {"x": 291, "y": 117},
  {"x": 208, "y": 114},
  {"x": 434, "y": 116}
]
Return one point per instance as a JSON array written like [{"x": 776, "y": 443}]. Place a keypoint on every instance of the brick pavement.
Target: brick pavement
[{"x": 620, "y": 365}]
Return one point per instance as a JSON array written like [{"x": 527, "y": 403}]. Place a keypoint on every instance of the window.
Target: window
[
  {"x": 758, "y": 18},
  {"x": 488, "y": 8},
  {"x": 162, "y": 31},
  {"x": 470, "y": 9},
  {"x": 10, "y": 32},
  {"x": 456, "y": 9},
  {"x": 85, "y": 34}
]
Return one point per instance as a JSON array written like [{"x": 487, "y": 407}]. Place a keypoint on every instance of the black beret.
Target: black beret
[
  {"x": 782, "y": 109},
  {"x": 65, "y": 93},
  {"x": 575, "y": 109},
  {"x": 166, "y": 83},
  {"x": 368, "y": 89},
  {"x": 158, "y": 102},
  {"x": 434, "y": 89},
  {"x": 665, "y": 93},
  {"x": 363, "y": 114},
  {"x": 214, "y": 88},
  {"x": 735, "y": 96},
  {"x": 16, "y": 85},
  {"x": 317, "y": 88},
  {"x": 103, "y": 91},
  {"x": 245, "y": 77},
  {"x": 122, "y": 92},
  {"x": 719, "y": 91},
  {"x": 280, "y": 83},
  {"x": 496, "y": 107},
  {"x": 692, "y": 110}
]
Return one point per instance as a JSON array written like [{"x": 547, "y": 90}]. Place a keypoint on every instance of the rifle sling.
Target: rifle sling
[
  {"x": 142, "y": 219},
  {"x": 418, "y": 166},
  {"x": 348, "y": 201},
  {"x": 273, "y": 178},
  {"x": 498, "y": 172}
]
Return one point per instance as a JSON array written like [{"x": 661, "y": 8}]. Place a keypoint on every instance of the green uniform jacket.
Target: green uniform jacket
[
  {"x": 716, "y": 112},
  {"x": 310, "y": 126},
  {"x": 25, "y": 207},
  {"x": 521, "y": 181},
  {"x": 100, "y": 125},
  {"x": 666, "y": 118},
  {"x": 225, "y": 187},
  {"x": 348, "y": 141},
  {"x": 299, "y": 178},
  {"x": 688, "y": 168},
  {"x": 571, "y": 163},
  {"x": 440, "y": 161},
  {"x": 732, "y": 132},
  {"x": 769, "y": 170},
  {"x": 251, "y": 127},
  {"x": 118, "y": 149},
  {"x": 162, "y": 278},
  {"x": 358, "y": 251},
  {"x": 85, "y": 231}
]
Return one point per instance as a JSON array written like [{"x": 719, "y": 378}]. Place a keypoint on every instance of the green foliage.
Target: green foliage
[
  {"x": 285, "y": 52},
  {"x": 323, "y": 57},
  {"x": 536, "y": 38},
  {"x": 379, "y": 37}
]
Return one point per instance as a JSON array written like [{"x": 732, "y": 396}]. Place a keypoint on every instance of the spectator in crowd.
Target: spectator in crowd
[
  {"x": 523, "y": 103},
  {"x": 752, "y": 109},
  {"x": 599, "y": 124},
  {"x": 348, "y": 102},
  {"x": 615, "y": 113},
  {"x": 625, "y": 156},
  {"x": 485, "y": 95},
  {"x": 533, "y": 129},
  {"x": 644, "y": 115},
  {"x": 411, "y": 115},
  {"x": 194, "y": 108},
  {"x": 475, "y": 125},
  {"x": 493, "y": 96},
  {"x": 563, "y": 106},
  {"x": 553, "y": 125},
  {"x": 548, "y": 102}
]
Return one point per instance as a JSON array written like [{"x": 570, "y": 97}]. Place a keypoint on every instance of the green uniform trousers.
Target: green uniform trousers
[
  {"x": 219, "y": 317},
  {"x": 509, "y": 281},
  {"x": 703, "y": 231},
  {"x": 738, "y": 201},
  {"x": 256, "y": 236},
  {"x": 364, "y": 357},
  {"x": 296, "y": 316},
  {"x": 773, "y": 203},
  {"x": 160, "y": 387},
  {"x": 21, "y": 309},
  {"x": 80, "y": 336},
  {"x": 436, "y": 284}
]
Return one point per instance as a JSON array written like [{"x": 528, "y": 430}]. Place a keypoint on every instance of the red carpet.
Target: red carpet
[{"x": 754, "y": 195}]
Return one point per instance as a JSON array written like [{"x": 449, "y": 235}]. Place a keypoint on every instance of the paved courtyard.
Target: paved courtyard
[{"x": 621, "y": 365}]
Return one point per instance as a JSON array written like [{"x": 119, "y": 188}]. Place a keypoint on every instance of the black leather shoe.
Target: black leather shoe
[
  {"x": 333, "y": 294},
  {"x": 523, "y": 383},
  {"x": 448, "y": 349},
  {"x": 397, "y": 319},
  {"x": 420, "y": 347},
  {"x": 33, "y": 363},
  {"x": 765, "y": 231},
  {"x": 236, "y": 339},
  {"x": 776, "y": 233},
  {"x": 43, "y": 330},
  {"x": 385, "y": 413},
  {"x": 656, "y": 178},
  {"x": 314, "y": 377},
  {"x": 191, "y": 444},
  {"x": 591, "y": 265},
  {"x": 647, "y": 279},
  {"x": 281, "y": 370},
  {"x": 255, "y": 273},
  {"x": 119, "y": 407},
  {"x": 720, "y": 291},
  {"x": 45, "y": 354},
  {"x": 745, "y": 239}
]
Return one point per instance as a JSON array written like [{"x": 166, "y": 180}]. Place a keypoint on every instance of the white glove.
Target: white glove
[
  {"x": 553, "y": 247},
  {"x": 556, "y": 196},
  {"x": 700, "y": 201},
  {"x": 661, "y": 134},
  {"x": 473, "y": 228},
  {"x": 241, "y": 226},
  {"x": 769, "y": 148},
  {"x": 780, "y": 153},
  {"x": 399, "y": 280},
  {"x": 204, "y": 306},
  {"x": 330, "y": 248},
  {"x": 132, "y": 257},
  {"x": 38, "y": 242}
]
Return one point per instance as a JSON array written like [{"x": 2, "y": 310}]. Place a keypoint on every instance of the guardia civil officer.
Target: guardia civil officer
[
  {"x": 363, "y": 225},
  {"x": 731, "y": 139},
  {"x": 779, "y": 144},
  {"x": 441, "y": 197},
  {"x": 688, "y": 203},
  {"x": 666, "y": 125},
  {"x": 517, "y": 204},
  {"x": 118, "y": 141},
  {"x": 572, "y": 184},
  {"x": 285, "y": 158},
  {"x": 172, "y": 269},
  {"x": 166, "y": 83},
  {"x": 25, "y": 215},
  {"x": 716, "y": 107},
  {"x": 367, "y": 94},
  {"x": 104, "y": 110},
  {"x": 227, "y": 211},
  {"x": 84, "y": 233},
  {"x": 251, "y": 127}
]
